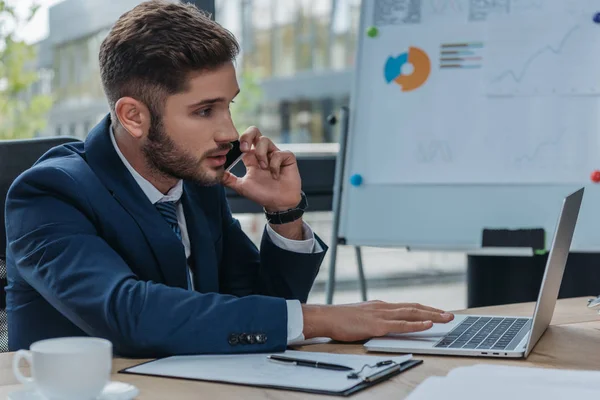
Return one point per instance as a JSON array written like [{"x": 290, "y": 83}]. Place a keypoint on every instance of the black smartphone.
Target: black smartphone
[{"x": 234, "y": 156}]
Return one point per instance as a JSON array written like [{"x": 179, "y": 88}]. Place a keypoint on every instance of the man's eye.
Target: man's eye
[{"x": 205, "y": 112}]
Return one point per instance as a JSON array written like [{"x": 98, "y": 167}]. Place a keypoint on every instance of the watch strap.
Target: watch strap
[{"x": 291, "y": 215}]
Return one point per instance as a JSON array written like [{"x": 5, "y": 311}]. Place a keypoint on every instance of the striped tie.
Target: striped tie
[{"x": 169, "y": 212}]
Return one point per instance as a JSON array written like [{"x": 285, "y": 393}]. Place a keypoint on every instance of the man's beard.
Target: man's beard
[{"x": 166, "y": 158}]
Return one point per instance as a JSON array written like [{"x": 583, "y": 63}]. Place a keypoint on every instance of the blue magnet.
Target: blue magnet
[
  {"x": 597, "y": 18},
  {"x": 356, "y": 180}
]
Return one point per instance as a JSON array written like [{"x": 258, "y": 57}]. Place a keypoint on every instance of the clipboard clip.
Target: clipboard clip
[
  {"x": 380, "y": 374},
  {"x": 356, "y": 375}
]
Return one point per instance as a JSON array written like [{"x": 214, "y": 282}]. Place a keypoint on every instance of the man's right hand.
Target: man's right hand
[{"x": 352, "y": 322}]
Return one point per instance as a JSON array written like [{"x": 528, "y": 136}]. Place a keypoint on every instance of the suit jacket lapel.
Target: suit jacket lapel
[
  {"x": 166, "y": 247},
  {"x": 203, "y": 258}
]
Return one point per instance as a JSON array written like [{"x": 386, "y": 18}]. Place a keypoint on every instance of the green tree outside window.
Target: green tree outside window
[{"x": 22, "y": 114}]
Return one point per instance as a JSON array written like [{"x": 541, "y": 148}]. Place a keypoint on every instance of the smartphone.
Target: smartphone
[{"x": 234, "y": 156}]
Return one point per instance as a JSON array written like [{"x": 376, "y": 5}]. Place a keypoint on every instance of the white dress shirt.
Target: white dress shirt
[{"x": 309, "y": 245}]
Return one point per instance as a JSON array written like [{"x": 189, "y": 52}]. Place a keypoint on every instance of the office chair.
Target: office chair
[
  {"x": 16, "y": 156},
  {"x": 3, "y": 319}
]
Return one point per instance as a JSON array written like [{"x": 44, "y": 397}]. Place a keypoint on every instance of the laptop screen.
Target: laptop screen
[{"x": 555, "y": 267}]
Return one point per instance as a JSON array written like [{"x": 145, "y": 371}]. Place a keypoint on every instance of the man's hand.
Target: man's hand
[
  {"x": 272, "y": 178},
  {"x": 360, "y": 321}
]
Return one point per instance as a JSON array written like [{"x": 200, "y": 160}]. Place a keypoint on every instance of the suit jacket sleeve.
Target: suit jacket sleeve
[
  {"x": 272, "y": 272},
  {"x": 57, "y": 249}
]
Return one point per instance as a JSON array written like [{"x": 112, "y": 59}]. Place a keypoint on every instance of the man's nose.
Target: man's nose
[{"x": 228, "y": 133}]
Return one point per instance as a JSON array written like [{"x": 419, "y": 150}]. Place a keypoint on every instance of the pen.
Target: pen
[{"x": 309, "y": 363}]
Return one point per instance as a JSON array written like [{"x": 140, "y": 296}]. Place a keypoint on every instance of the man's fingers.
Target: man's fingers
[
  {"x": 275, "y": 164},
  {"x": 231, "y": 181},
  {"x": 422, "y": 307},
  {"x": 406, "y": 326},
  {"x": 279, "y": 159},
  {"x": 415, "y": 314},
  {"x": 377, "y": 304},
  {"x": 249, "y": 138},
  {"x": 263, "y": 148}
]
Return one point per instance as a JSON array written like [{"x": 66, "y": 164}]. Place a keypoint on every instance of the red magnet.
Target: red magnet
[{"x": 595, "y": 176}]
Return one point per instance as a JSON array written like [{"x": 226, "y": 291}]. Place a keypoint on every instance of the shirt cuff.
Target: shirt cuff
[
  {"x": 306, "y": 246},
  {"x": 295, "y": 322}
]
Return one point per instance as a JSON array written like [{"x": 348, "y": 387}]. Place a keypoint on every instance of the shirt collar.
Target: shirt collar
[{"x": 153, "y": 194}]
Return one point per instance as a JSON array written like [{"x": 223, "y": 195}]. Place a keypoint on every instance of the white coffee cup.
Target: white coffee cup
[{"x": 71, "y": 368}]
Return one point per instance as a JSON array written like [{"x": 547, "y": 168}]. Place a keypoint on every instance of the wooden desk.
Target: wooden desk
[{"x": 570, "y": 342}]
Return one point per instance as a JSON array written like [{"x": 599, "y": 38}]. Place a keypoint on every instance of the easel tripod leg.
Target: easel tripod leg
[
  {"x": 330, "y": 288},
  {"x": 337, "y": 200}
]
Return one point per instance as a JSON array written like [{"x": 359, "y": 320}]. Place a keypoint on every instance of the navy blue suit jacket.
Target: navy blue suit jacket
[{"x": 88, "y": 254}]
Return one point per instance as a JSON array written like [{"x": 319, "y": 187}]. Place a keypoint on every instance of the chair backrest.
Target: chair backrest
[
  {"x": 16, "y": 156},
  {"x": 3, "y": 319}
]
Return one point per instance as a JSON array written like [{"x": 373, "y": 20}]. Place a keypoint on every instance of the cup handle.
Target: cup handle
[{"x": 25, "y": 380}]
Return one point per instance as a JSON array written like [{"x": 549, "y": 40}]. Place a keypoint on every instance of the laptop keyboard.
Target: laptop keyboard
[{"x": 487, "y": 333}]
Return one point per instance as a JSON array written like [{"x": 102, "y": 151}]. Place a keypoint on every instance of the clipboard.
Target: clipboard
[
  {"x": 365, "y": 381},
  {"x": 379, "y": 377}
]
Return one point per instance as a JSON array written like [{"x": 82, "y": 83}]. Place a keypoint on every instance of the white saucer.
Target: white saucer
[{"x": 112, "y": 391}]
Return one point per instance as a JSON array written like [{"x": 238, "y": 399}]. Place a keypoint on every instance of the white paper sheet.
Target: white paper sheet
[
  {"x": 469, "y": 389},
  {"x": 256, "y": 369},
  {"x": 497, "y": 382},
  {"x": 538, "y": 376}
]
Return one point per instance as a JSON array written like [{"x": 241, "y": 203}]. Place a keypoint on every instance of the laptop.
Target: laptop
[{"x": 496, "y": 336}]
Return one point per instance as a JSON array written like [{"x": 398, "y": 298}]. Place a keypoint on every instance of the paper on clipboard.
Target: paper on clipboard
[{"x": 257, "y": 370}]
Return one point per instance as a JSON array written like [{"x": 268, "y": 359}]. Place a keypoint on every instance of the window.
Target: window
[
  {"x": 304, "y": 36},
  {"x": 284, "y": 38},
  {"x": 283, "y": 48},
  {"x": 87, "y": 126}
]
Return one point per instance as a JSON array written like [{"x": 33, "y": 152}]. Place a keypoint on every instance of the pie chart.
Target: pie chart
[{"x": 421, "y": 69}]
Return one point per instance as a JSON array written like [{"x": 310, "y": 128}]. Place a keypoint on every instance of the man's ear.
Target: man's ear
[{"x": 133, "y": 115}]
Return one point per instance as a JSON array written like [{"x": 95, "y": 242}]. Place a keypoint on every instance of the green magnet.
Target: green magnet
[{"x": 372, "y": 32}]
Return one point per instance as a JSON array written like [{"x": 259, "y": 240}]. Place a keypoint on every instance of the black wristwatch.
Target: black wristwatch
[{"x": 291, "y": 215}]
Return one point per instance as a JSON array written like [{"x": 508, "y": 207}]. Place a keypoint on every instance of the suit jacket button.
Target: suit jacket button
[
  {"x": 261, "y": 338},
  {"x": 233, "y": 339},
  {"x": 251, "y": 339},
  {"x": 243, "y": 338}
]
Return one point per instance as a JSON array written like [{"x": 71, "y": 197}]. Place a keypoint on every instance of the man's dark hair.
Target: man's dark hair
[{"x": 151, "y": 50}]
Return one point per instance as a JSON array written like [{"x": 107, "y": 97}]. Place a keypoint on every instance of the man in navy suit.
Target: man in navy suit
[{"x": 128, "y": 235}]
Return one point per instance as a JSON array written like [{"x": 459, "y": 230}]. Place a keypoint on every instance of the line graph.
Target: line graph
[
  {"x": 518, "y": 77},
  {"x": 564, "y": 154},
  {"x": 542, "y": 59},
  {"x": 541, "y": 148}
]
